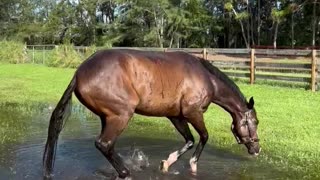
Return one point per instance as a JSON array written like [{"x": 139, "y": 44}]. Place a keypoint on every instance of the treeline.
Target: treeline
[{"x": 162, "y": 23}]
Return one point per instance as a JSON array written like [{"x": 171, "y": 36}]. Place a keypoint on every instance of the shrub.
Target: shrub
[
  {"x": 88, "y": 51},
  {"x": 64, "y": 56},
  {"x": 13, "y": 52}
]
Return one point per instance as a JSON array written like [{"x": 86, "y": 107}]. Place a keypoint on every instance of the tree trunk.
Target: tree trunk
[
  {"x": 275, "y": 36},
  {"x": 314, "y": 24},
  {"x": 251, "y": 28},
  {"x": 248, "y": 26},
  {"x": 159, "y": 26},
  {"x": 242, "y": 29},
  {"x": 318, "y": 31},
  {"x": 244, "y": 35},
  {"x": 178, "y": 42},
  {"x": 173, "y": 35},
  {"x": 63, "y": 35},
  {"x": 259, "y": 23},
  {"x": 292, "y": 31},
  {"x": 161, "y": 31},
  {"x": 171, "y": 42}
]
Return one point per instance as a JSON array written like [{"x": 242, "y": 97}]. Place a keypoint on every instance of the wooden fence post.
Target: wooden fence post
[
  {"x": 314, "y": 70},
  {"x": 204, "y": 53},
  {"x": 252, "y": 68}
]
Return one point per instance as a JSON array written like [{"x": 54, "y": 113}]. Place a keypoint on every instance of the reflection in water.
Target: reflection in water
[{"x": 77, "y": 157}]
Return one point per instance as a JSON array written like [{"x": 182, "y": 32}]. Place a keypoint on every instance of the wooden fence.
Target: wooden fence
[{"x": 280, "y": 65}]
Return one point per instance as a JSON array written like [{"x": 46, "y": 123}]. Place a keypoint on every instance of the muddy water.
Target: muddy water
[{"x": 77, "y": 158}]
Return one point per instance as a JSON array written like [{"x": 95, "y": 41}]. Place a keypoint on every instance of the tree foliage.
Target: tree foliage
[{"x": 162, "y": 23}]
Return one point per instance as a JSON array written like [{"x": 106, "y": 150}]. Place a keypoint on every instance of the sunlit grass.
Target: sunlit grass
[
  {"x": 289, "y": 117},
  {"x": 25, "y": 83}
]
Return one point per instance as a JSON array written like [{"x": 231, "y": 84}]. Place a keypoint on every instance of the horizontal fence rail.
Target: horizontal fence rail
[{"x": 275, "y": 65}]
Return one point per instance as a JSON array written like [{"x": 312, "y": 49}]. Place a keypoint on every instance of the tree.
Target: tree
[
  {"x": 278, "y": 14},
  {"x": 314, "y": 24},
  {"x": 239, "y": 16},
  {"x": 162, "y": 23}
]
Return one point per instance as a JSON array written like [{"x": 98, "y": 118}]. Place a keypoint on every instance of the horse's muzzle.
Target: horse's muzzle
[{"x": 253, "y": 148}]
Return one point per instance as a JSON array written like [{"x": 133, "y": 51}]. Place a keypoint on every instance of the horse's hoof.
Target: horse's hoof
[
  {"x": 125, "y": 173},
  {"x": 194, "y": 173},
  {"x": 47, "y": 176},
  {"x": 164, "y": 166}
]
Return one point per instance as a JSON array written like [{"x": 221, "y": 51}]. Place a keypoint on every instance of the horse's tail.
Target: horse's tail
[{"x": 59, "y": 115}]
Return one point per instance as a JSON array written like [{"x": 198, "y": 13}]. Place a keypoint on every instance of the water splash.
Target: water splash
[{"x": 136, "y": 159}]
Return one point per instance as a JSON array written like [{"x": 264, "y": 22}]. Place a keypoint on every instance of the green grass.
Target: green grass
[
  {"x": 289, "y": 126},
  {"x": 28, "y": 83}
]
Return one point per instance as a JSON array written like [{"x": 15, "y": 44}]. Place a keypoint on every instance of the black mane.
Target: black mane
[{"x": 223, "y": 77}]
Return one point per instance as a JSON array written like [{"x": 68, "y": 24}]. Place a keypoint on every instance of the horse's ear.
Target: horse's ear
[{"x": 251, "y": 103}]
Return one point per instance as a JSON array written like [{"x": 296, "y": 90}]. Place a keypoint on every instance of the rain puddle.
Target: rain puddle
[{"x": 23, "y": 130}]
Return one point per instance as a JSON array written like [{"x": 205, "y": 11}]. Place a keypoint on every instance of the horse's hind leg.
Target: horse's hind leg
[
  {"x": 111, "y": 129},
  {"x": 182, "y": 126}
]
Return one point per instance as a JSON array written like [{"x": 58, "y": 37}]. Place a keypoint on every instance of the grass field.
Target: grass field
[{"x": 289, "y": 126}]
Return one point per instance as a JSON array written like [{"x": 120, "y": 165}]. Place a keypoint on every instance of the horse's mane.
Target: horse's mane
[{"x": 223, "y": 77}]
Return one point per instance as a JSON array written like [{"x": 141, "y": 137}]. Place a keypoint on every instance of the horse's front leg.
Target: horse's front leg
[
  {"x": 182, "y": 126},
  {"x": 197, "y": 122}
]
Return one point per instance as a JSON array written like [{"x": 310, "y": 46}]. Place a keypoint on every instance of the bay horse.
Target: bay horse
[{"x": 116, "y": 83}]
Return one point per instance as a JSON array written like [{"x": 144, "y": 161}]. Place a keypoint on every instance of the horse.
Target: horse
[{"x": 116, "y": 83}]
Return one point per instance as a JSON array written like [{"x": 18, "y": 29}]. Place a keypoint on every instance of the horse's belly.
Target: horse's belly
[{"x": 158, "y": 108}]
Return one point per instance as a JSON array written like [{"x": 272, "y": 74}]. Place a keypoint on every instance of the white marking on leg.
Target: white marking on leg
[
  {"x": 165, "y": 164},
  {"x": 193, "y": 164},
  {"x": 173, "y": 157}
]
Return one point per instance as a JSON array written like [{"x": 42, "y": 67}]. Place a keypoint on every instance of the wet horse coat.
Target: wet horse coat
[
  {"x": 147, "y": 84},
  {"x": 115, "y": 84}
]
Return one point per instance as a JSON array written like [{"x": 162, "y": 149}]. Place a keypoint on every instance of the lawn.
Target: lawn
[
  {"x": 289, "y": 126},
  {"x": 26, "y": 83}
]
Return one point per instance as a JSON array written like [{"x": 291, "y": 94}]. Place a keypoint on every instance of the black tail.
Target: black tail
[{"x": 59, "y": 115}]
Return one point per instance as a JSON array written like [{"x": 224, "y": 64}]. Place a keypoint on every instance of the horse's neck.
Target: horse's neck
[{"x": 226, "y": 98}]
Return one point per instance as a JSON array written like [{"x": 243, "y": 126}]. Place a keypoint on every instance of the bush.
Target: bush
[
  {"x": 67, "y": 56},
  {"x": 61, "y": 56},
  {"x": 13, "y": 52},
  {"x": 64, "y": 56},
  {"x": 89, "y": 51}
]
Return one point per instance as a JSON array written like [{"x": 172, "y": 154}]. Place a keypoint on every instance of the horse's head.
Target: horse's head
[{"x": 244, "y": 128}]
